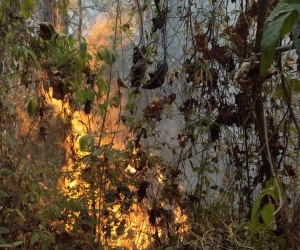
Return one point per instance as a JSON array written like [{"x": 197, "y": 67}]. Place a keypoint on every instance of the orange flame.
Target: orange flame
[{"x": 139, "y": 232}]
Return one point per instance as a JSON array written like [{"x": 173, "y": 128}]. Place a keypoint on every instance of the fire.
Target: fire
[
  {"x": 131, "y": 169},
  {"x": 138, "y": 230},
  {"x": 101, "y": 30}
]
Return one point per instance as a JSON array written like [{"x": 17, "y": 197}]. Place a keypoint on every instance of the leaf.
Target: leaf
[
  {"x": 97, "y": 151},
  {"x": 101, "y": 110},
  {"x": 294, "y": 85},
  {"x": 280, "y": 26},
  {"x": 255, "y": 208},
  {"x": 85, "y": 142},
  {"x": 83, "y": 49},
  {"x": 110, "y": 157},
  {"x": 243, "y": 225},
  {"x": 13, "y": 245},
  {"x": 281, "y": 242},
  {"x": 46, "y": 240},
  {"x": 296, "y": 35},
  {"x": 4, "y": 230},
  {"x": 90, "y": 94},
  {"x": 4, "y": 193},
  {"x": 14, "y": 50},
  {"x": 107, "y": 56},
  {"x": 29, "y": 4},
  {"x": 34, "y": 238},
  {"x": 82, "y": 95},
  {"x": 17, "y": 243},
  {"x": 6, "y": 245},
  {"x": 271, "y": 184},
  {"x": 296, "y": 2},
  {"x": 24, "y": 52},
  {"x": 19, "y": 213},
  {"x": 267, "y": 214},
  {"x": 283, "y": 7},
  {"x": 256, "y": 226},
  {"x": 169, "y": 248},
  {"x": 71, "y": 41},
  {"x": 31, "y": 108},
  {"x": 33, "y": 55},
  {"x": 57, "y": 210},
  {"x": 46, "y": 85}
]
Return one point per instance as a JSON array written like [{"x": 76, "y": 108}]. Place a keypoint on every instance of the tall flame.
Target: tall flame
[{"x": 136, "y": 224}]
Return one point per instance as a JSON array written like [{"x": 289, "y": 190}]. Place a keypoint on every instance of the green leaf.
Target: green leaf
[
  {"x": 271, "y": 185},
  {"x": 46, "y": 240},
  {"x": 97, "y": 151},
  {"x": 107, "y": 56},
  {"x": 169, "y": 248},
  {"x": 33, "y": 55},
  {"x": 82, "y": 95},
  {"x": 31, "y": 108},
  {"x": 71, "y": 41},
  {"x": 19, "y": 213},
  {"x": 283, "y": 7},
  {"x": 13, "y": 245},
  {"x": 296, "y": 36},
  {"x": 256, "y": 226},
  {"x": 85, "y": 142},
  {"x": 57, "y": 210},
  {"x": 281, "y": 242},
  {"x": 4, "y": 230},
  {"x": 296, "y": 2},
  {"x": 17, "y": 243},
  {"x": 255, "y": 208},
  {"x": 243, "y": 225},
  {"x": 101, "y": 110},
  {"x": 294, "y": 85},
  {"x": 4, "y": 193},
  {"x": 280, "y": 26},
  {"x": 83, "y": 49},
  {"x": 90, "y": 94},
  {"x": 14, "y": 50},
  {"x": 34, "y": 238},
  {"x": 24, "y": 52},
  {"x": 6, "y": 246},
  {"x": 110, "y": 157},
  {"x": 279, "y": 93},
  {"x": 267, "y": 214},
  {"x": 29, "y": 4},
  {"x": 46, "y": 85}
]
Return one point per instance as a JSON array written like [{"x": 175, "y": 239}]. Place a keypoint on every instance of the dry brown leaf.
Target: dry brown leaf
[
  {"x": 121, "y": 83},
  {"x": 289, "y": 62}
]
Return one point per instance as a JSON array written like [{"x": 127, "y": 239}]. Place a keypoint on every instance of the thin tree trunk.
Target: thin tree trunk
[
  {"x": 80, "y": 19},
  {"x": 257, "y": 93},
  {"x": 57, "y": 18},
  {"x": 47, "y": 11}
]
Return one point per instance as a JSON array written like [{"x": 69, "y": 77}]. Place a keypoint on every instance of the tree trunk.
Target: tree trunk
[
  {"x": 257, "y": 93},
  {"x": 80, "y": 19}
]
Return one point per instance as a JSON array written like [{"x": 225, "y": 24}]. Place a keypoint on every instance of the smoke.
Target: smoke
[{"x": 101, "y": 30}]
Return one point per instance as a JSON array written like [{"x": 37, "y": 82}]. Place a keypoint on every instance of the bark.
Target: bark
[
  {"x": 257, "y": 93},
  {"x": 51, "y": 13},
  {"x": 80, "y": 19},
  {"x": 47, "y": 11},
  {"x": 263, "y": 6}
]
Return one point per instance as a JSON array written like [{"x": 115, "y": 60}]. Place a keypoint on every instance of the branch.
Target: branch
[
  {"x": 261, "y": 22},
  {"x": 277, "y": 50}
]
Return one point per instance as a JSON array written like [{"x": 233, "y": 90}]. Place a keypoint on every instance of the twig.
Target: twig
[{"x": 277, "y": 50}]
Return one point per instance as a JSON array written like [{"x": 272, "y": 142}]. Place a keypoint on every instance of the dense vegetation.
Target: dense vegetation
[{"x": 164, "y": 125}]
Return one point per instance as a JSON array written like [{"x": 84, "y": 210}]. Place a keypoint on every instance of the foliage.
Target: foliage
[{"x": 283, "y": 20}]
